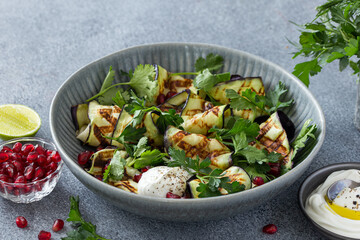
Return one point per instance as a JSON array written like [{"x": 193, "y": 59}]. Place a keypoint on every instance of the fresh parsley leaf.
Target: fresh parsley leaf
[
  {"x": 119, "y": 99},
  {"x": 211, "y": 62},
  {"x": 206, "y": 80},
  {"x": 272, "y": 98},
  {"x": 149, "y": 158},
  {"x": 130, "y": 134},
  {"x": 332, "y": 35},
  {"x": 169, "y": 118},
  {"x": 116, "y": 167},
  {"x": 83, "y": 229},
  {"x": 143, "y": 81},
  {"x": 307, "y": 131},
  {"x": 254, "y": 155}
]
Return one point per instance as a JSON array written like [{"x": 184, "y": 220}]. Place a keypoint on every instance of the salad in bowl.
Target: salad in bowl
[{"x": 187, "y": 135}]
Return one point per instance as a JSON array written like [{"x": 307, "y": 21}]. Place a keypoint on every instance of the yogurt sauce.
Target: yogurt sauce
[{"x": 321, "y": 213}]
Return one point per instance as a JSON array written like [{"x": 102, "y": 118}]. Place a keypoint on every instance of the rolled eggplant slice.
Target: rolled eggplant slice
[
  {"x": 176, "y": 102},
  {"x": 155, "y": 138},
  {"x": 178, "y": 84},
  {"x": 272, "y": 136},
  {"x": 124, "y": 119},
  {"x": 201, "y": 123},
  {"x": 79, "y": 114},
  {"x": 99, "y": 160},
  {"x": 103, "y": 120},
  {"x": 195, "y": 105},
  {"x": 199, "y": 145},
  {"x": 218, "y": 92},
  {"x": 161, "y": 77}
]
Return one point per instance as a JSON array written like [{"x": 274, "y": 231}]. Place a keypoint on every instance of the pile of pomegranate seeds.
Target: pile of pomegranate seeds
[
  {"x": 26, "y": 163},
  {"x": 270, "y": 229}
]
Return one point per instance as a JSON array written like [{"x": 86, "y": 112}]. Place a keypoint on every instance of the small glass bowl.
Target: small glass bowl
[{"x": 32, "y": 191}]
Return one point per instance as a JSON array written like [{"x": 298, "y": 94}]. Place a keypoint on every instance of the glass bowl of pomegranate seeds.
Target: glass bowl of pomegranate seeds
[{"x": 29, "y": 169}]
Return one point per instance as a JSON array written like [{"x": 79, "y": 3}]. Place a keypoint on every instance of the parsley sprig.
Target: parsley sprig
[
  {"x": 306, "y": 132},
  {"x": 333, "y": 34},
  {"x": 248, "y": 99},
  {"x": 211, "y": 180},
  {"x": 83, "y": 229}
]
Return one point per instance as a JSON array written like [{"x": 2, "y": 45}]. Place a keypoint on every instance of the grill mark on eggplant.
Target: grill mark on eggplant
[
  {"x": 98, "y": 135},
  {"x": 125, "y": 185}
]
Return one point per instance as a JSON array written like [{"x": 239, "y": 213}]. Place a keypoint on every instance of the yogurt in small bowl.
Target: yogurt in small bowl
[{"x": 338, "y": 219}]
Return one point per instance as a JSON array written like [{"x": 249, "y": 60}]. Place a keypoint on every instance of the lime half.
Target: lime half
[{"x": 17, "y": 120}]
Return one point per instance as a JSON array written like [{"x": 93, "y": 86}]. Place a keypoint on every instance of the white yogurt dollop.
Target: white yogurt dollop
[
  {"x": 158, "y": 181},
  {"x": 320, "y": 212}
]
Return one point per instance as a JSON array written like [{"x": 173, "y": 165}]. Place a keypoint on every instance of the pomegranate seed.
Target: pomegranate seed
[
  {"x": 29, "y": 172},
  {"x": 41, "y": 160},
  {"x": 16, "y": 192},
  {"x": 17, "y": 175},
  {"x": 9, "y": 188},
  {"x": 39, "y": 173},
  {"x": 32, "y": 157},
  {"x": 43, "y": 235},
  {"x": 49, "y": 152},
  {"x": 6, "y": 149},
  {"x": 4, "y": 156},
  {"x": 21, "y": 222},
  {"x": 39, "y": 185},
  {"x": 274, "y": 169},
  {"x": 10, "y": 170},
  {"x": 160, "y": 99},
  {"x": 52, "y": 167},
  {"x": 16, "y": 156},
  {"x": 137, "y": 177},
  {"x": 27, "y": 148},
  {"x": 145, "y": 169},
  {"x": 19, "y": 166},
  {"x": 58, "y": 225},
  {"x": 172, "y": 195},
  {"x": 84, "y": 157},
  {"x": 270, "y": 229},
  {"x": 258, "y": 181},
  {"x": 170, "y": 94},
  {"x": 99, "y": 177},
  {"x": 40, "y": 150},
  {"x": 55, "y": 157},
  {"x": 20, "y": 182},
  {"x": 17, "y": 147}
]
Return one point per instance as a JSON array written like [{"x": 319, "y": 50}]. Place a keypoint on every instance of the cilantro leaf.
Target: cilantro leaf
[
  {"x": 211, "y": 62},
  {"x": 116, "y": 167},
  {"x": 307, "y": 131},
  {"x": 170, "y": 118},
  {"x": 83, "y": 229},
  {"x": 206, "y": 80},
  {"x": 149, "y": 158},
  {"x": 143, "y": 81}
]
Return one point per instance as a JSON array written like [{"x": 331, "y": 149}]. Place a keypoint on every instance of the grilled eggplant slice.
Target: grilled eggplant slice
[
  {"x": 199, "y": 145},
  {"x": 176, "y": 102},
  {"x": 178, "y": 84},
  {"x": 127, "y": 185},
  {"x": 80, "y": 116},
  {"x": 192, "y": 186},
  {"x": 272, "y": 136},
  {"x": 123, "y": 121},
  {"x": 194, "y": 105},
  {"x": 161, "y": 77},
  {"x": 155, "y": 138},
  {"x": 238, "y": 174},
  {"x": 201, "y": 123},
  {"x": 103, "y": 120},
  {"x": 99, "y": 160}
]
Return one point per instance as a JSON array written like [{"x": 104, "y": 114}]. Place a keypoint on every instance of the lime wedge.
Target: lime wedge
[{"x": 17, "y": 120}]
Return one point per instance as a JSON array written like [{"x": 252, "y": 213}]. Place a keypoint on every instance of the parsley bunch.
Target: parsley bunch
[
  {"x": 211, "y": 179},
  {"x": 333, "y": 34}
]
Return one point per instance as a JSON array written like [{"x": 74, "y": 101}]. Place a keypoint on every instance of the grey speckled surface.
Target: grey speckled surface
[{"x": 43, "y": 42}]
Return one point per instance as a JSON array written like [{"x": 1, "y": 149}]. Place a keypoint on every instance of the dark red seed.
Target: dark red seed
[
  {"x": 29, "y": 172},
  {"x": 55, "y": 157},
  {"x": 160, "y": 99},
  {"x": 270, "y": 229},
  {"x": 4, "y": 157},
  {"x": 172, "y": 195},
  {"x": 10, "y": 170},
  {"x": 39, "y": 173},
  {"x": 17, "y": 175},
  {"x": 58, "y": 225},
  {"x": 32, "y": 157},
  {"x": 39, "y": 185},
  {"x": 40, "y": 150},
  {"x": 99, "y": 177},
  {"x": 19, "y": 166},
  {"x": 43, "y": 235},
  {"x": 16, "y": 192},
  {"x": 6, "y": 149},
  {"x": 258, "y": 181},
  {"x": 21, "y": 222},
  {"x": 170, "y": 94},
  {"x": 16, "y": 156},
  {"x": 20, "y": 179},
  {"x": 52, "y": 167},
  {"x": 137, "y": 177},
  {"x": 17, "y": 147},
  {"x": 49, "y": 152},
  {"x": 145, "y": 169},
  {"x": 41, "y": 160},
  {"x": 274, "y": 169},
  {"x": 27, "y": 148},
  {"x": 84, "y": 157}
]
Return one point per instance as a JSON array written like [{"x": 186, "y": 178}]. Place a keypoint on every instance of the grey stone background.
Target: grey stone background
[{"x": 44, "y": 42}]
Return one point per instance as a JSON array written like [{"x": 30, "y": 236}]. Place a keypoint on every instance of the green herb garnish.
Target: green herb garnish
[
  {"x": 83, "y": 229},
  {"x": 333, "y": 34}
]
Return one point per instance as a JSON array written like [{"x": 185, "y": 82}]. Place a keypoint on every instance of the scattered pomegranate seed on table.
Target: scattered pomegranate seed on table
[
  {"x": 43, "y": 235},
  {"x": 270, "y": 229},
  {"x": 58, "y": 225},
  {"x": 21, "y": 222}
]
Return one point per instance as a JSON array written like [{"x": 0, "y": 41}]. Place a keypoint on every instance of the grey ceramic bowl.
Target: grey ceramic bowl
[
  {"x": 312, "y": 182},
  {"x": 180, "y": 57}
]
